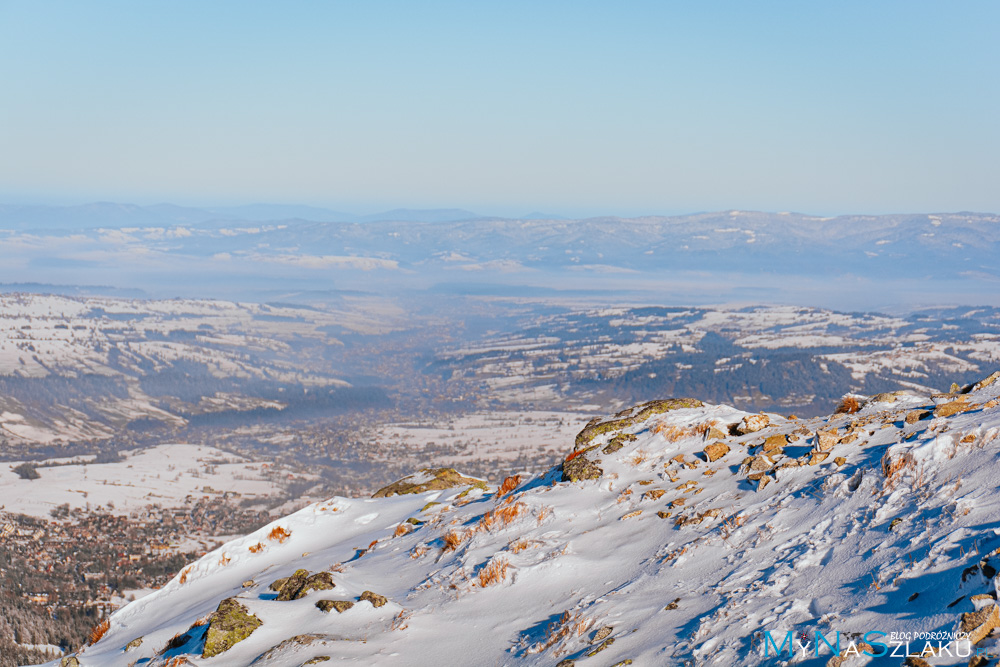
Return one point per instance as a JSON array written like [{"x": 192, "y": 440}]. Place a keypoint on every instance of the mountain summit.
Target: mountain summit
[{"x": 674, "y": 533}]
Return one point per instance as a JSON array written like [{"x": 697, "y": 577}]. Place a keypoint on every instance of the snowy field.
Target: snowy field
[{"x": 163, "y": 475}]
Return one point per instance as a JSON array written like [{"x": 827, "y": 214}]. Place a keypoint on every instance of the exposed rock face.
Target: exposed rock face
[
  {"x": 752, "y": 424},
  {"x": 230, "y": 624},
  {"x": 428, "y": 479},
  {"x": 716, "y": 451}
]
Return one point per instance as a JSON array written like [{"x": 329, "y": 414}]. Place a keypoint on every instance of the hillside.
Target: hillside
[{"x": 675, "y": 533}]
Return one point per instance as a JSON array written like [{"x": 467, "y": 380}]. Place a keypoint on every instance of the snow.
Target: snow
[
  {"x": 162, "y": 475},
  {"x": 816, "y": 549}
]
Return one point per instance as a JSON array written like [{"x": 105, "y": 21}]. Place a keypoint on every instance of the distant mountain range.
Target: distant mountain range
[
  {"x": 713, "y": 257},
  {"x": 115, "y": 215}
]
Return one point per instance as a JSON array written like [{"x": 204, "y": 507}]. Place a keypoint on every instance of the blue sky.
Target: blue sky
[{"x": 578, "y": 108}]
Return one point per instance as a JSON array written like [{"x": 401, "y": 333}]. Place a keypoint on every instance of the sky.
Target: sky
[{"x": 573, "y": 108}]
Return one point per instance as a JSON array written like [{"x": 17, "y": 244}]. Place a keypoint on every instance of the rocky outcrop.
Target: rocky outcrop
[
  {"x": 634, "y": 415},
  {"x": 429, "y": 479}
]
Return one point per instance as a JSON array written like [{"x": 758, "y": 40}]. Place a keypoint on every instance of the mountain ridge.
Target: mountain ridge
[{"x": 675, "y": 532}]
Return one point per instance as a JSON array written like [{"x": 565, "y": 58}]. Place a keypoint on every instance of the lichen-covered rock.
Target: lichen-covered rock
[
  {"x": 230, "y": 624},
  {"x": 376, "y": 599},
  {"x": 69, "y": 661},
  {"x": 913, "y": 416},
  {"x": 580, "y": 468},
  {"x": 716, "y": 450},
  {"x": 634, "y": 415},
  {"x": 618, "y": 442},
  {"x": 840, "y": 460},
  {"x": 292, "y": 586},
  {"x": 752, "y": 424},
  {"x": 134, "y": 644},
  {"x": 339, "y": 605},
  {"x": 300, "y": 583},
  {"x": 605, "y": 644},
  {"x": 428, "y": 479},
  {"x": 315, "y": 661}
]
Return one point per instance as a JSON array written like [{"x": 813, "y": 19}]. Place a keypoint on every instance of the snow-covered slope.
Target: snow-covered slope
[{"x": 691, "y": 531}]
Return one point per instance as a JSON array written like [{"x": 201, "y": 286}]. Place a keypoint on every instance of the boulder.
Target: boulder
[
  {"x": 825, "y": 440},
  {"x": 752, "y": 424},
  {"x": 228, "y": 625},
  {"x": 339, "y": 605},
  {"x": 716, "y": 450},
  {"x": 580, "y": 468},
  {"x": 376, "y": 599},
  {"x": 774, "y": 442}
]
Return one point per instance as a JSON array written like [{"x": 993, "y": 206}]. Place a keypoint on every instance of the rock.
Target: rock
[
  {"x": 673, "y": 605},
  {"x": 980, "y": 623},
  {"x": 316, "y": 660},
  {"x": 230, "y": 624},
  {"x": 277, "y": 584},
  {"x": 840, "y": 460},
  {"x": 605, "y": 644},
  {"x": 134, "y": 644},
  {"x": 663, "y": 515},
  {"x": 774, "y": 442},
  {"x": 752, "y": 424},
  {"x": 716, "y": 450},
  {"x": 376, "y": 599},
  {"x": 895, "y": 522},
  {"x": 566, "y": 663},
  {"x": 623, "y": 663},
  {"x": 636, "y": 414},
  {"x": 913, "y": 416},
  {"x": 762, "y": 482},
  {"x": 889, "y": 397},
  {"x": 715, "y": 433},
  {"x": 249, "y": 583},
  {"x": 952, "y": 408},
  {"x": 340, "y": 605},
  {"x": 914, "y": 661},
  {"x": 618, "y": 442},
  {"x": 985, "y": 382},
  {"x": 603, "y": 633},
  {"x": 580, "y": 468},
  {"x": 825, "y": 440},
  {"x": 291, "y": 586},
  {"x": 428, "y": 479},
  {"x": 69, "y": 661},
  {"x": 818, "y": 457},
  {"x": 849, "y": 438},
  {"x": 653, "y": 494}
]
